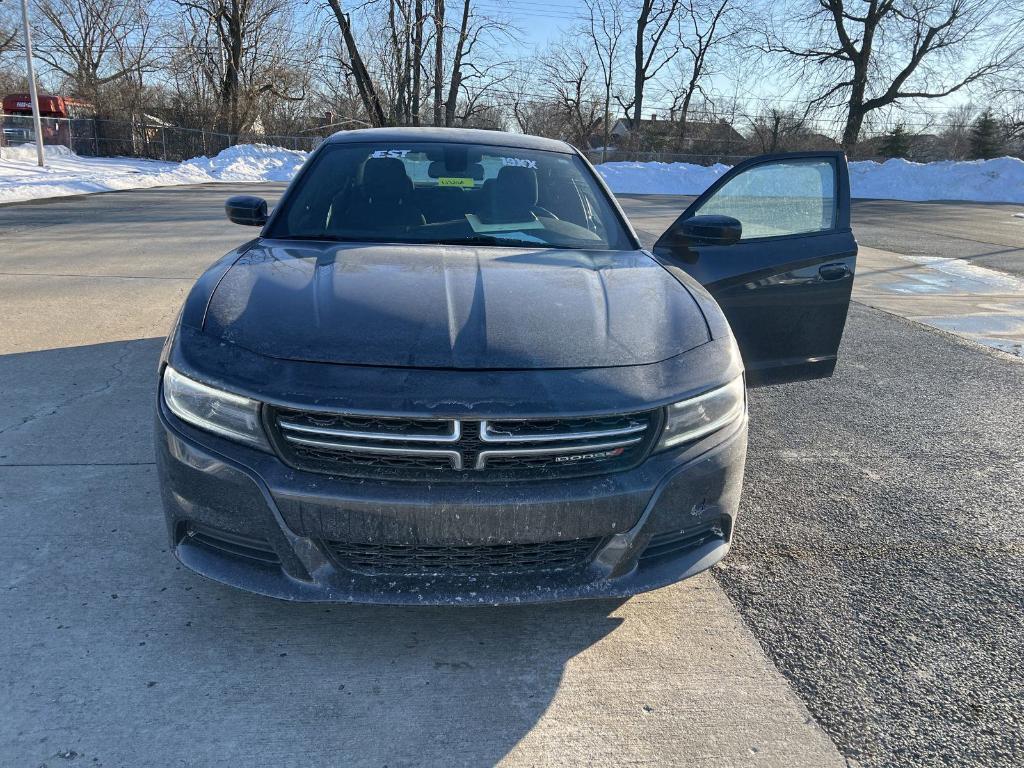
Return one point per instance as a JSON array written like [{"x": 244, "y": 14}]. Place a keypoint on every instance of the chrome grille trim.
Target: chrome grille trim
[
  {"x": 481, "y": 460},
  {"x": 386, "y": 447},
  {"x": 488, "y": 436},
  {"x": 453, "y": 456},
  {"x": 451, "y": 437}
]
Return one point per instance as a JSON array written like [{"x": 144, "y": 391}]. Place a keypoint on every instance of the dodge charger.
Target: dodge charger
[{"x": 446, "y": 371}]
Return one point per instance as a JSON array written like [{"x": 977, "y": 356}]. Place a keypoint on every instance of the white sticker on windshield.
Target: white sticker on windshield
[
  {"x": 395, "y": 153},
  {"x": 519, "y": 162}
]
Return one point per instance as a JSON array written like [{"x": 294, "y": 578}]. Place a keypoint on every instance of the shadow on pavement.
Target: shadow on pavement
[{"x": 124, "y": 655}]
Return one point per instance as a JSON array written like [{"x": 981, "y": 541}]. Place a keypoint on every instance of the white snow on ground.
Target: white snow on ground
[
  {"x": 68, "y": 174},
  {"x": 999, "y": 180},
  {"x": 660, "y": 178}
]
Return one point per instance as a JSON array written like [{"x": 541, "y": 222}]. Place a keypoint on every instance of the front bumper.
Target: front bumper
[{"x": 687, "y": 498}]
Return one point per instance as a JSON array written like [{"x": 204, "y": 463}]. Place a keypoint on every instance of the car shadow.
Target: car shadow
[{"x": 118, "y": 643}]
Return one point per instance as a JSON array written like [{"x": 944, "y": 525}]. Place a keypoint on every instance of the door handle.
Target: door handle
[{"x": 833, "y": 271}]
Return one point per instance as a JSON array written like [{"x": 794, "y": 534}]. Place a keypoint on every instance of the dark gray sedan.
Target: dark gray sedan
[{"x": 446, "y": 371}]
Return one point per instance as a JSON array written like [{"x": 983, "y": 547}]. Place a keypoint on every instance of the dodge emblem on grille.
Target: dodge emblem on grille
[{"x": 596, "y": 455}]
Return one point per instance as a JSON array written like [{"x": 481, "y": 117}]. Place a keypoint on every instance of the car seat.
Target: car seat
[
  {"x": 513, "y": 196},
  {"x": 384, "y": 197}
]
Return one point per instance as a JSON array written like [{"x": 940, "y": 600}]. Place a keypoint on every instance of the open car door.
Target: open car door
[{"x": 771, "y": 242}]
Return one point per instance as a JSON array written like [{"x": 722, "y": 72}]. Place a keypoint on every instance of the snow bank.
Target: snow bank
[
  {"x": 999, "y": 180},
  {"x": 660, "y": 178},
  {"x": 68, "y": 174},
  {"x": 249, "y": 162}
]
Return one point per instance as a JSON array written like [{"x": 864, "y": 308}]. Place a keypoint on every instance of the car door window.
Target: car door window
[{"x": 779, "y": 198}]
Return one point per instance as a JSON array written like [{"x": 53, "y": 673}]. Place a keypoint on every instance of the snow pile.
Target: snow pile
[
  {"x": 660, "y": 178},
  {"x": 68, "y": 174},
  {"x": 249, "y": 162},
  {"x": 999, "y": 180}
]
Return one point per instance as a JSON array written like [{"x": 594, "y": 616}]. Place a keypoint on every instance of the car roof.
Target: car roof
[{"x": 452, "y": 135}]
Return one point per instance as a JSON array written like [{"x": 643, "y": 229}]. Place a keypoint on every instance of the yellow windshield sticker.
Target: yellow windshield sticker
[{"x": 448, "y": 181}]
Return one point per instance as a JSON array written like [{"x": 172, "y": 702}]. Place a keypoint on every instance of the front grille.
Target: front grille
[
  {"x": 421, "y": 560},
  {"x": 460, "y": 450}
]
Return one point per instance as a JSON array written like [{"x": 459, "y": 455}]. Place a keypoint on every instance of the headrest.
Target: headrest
[
  {"x": 385, "y": 173},
  {"x": 516, "y": 188}
]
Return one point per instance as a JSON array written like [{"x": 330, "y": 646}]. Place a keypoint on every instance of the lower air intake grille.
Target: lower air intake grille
[
  {"x": 678, "y": 542},
  {"x": 420, "y": 560},
  {"x": 233, "y": 544}
]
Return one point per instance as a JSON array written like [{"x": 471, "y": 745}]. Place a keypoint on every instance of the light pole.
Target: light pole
[{"x": 33, "y": 94}]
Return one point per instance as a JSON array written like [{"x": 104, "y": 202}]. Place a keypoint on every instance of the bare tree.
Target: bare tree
[
  {"x": 702, "y": 31},
  {"x": 242, "y": 53},
  {"x": 334, "y": 94},
  {"x": 956, "y": 133},
  {"x": 93, "y": 42},
  {"x": 567, "y": 73},
  {"x": 870, "y": 54},
  {"x": 438, "y": 17},
  {"x": 402, "y": 53},
  {"x": 606, "y": 24},
  {"x": 357, "y": 66},
  {"x": 475, "y": 65},
  {"x": 8, "y": 30},
  {"x": 1007, "y": 87},
  {"x": 531, "y": 112},
  {"x": 653, "y": 48},
  {"x": 772, "y": 127}
]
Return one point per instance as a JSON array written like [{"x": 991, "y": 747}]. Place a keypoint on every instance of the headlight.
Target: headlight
[
  {"x": 214, "y": 410},
  {"x": 689, "y": 419}
]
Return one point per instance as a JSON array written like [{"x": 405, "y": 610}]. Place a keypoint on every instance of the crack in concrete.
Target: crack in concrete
[
  {"x": 53, "y": 409},
  {"x": 110, "y": 277},
  {"x": 83, "y": 464}
]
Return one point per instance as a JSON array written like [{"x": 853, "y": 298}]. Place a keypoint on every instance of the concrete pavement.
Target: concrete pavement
[{"x": 954, "y": 295}]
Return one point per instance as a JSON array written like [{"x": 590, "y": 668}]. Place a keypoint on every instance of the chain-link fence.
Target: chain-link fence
[
  {"x": 639, "y": 156},
  {"x": 92, "y": 137}
]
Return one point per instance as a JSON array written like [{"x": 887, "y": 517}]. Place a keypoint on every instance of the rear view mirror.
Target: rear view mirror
[
  {"x": 710, "y": 230},
  {"x": 246, "y": 210}
]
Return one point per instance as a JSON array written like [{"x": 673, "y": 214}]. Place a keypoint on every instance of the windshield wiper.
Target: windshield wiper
[
  {"x": 472, "y": 240},
  {"x": 327, "y": 238},
  {"x": 493, "y": 240}
]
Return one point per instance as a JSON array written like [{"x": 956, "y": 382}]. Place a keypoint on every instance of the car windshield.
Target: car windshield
[{"x": 450, "y": 194}]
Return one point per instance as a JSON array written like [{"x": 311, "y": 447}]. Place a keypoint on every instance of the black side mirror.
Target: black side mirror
[
  {"x": 247, "y": 210},
  {"x": 708, "y": 230}
]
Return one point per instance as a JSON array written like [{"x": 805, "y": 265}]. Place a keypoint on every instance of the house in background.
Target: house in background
[{"x": 696, "y": 137}]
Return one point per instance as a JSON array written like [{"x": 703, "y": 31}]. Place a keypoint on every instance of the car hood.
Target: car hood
[{"x": 439, "y": 306}]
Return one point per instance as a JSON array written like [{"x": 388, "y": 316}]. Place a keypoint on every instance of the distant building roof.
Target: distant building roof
[{"x": 719, "y": 130}]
